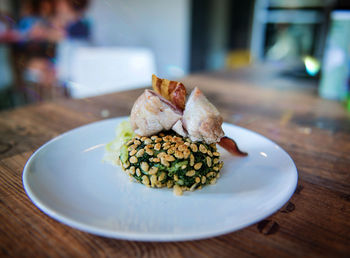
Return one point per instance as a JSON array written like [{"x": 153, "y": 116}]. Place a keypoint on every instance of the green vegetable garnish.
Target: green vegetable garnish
[
  {"x": 167, "y": 159},
  {"x": 123, "y": 133}
]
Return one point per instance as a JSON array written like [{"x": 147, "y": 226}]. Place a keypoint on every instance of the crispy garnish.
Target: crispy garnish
[
  {"x": 231, "y": 146},
  {"x": 173, "y": 91}
]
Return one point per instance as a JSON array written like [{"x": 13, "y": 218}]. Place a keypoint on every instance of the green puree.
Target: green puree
[{"x": 167, "y": 159}]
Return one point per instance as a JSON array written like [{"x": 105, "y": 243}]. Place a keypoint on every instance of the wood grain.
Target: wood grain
[{"x": 315, "y": 132}]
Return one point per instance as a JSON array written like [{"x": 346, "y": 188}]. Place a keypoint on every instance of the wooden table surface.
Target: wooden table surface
[{"x": 315, "y": 132}]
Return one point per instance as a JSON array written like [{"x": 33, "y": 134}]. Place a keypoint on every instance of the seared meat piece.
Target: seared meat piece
[
  {"x": 201, "y": 119},
  {"x": 179, "y": 128},
  {"x": 152, "y": 113}
]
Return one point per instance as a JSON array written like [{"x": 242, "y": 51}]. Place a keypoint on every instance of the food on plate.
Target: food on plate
[
  {"x": 201, "y": 119},
  {"x": 152, "y": 113},
  {"x": 173, "y": 91},
  {"x": 169, "y": 160},
  {"x": 123, "y": 133},
  {"x": 231, "y": 146},
  {"x": 170, "y": 142}
]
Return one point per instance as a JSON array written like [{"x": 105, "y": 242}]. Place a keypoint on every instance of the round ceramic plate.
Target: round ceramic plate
[{"x": 67, "y": 179}]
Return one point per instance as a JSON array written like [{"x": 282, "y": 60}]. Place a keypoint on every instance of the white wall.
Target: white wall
[{"x": 161, "y": 25}]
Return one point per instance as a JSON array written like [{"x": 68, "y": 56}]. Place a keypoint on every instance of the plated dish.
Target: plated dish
[
  {"x": 66, "y": 179},
  {"x": 170, "y": 141},
  {"x": 167, "y": 142}
]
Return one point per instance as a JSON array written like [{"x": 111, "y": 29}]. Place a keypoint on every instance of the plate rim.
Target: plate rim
[{"x": 140, "y": 236}]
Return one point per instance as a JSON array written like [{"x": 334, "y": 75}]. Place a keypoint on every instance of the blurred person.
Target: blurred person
[
  {"x": 70, "y": 17},
  {"x": 41, "y": 77},
  {"x": 38, "y": 22},
  {"x": 49, "y": 32},
  {"x": 44, "y": 29},
  {"x": 32, "y": 54},
  {"x": 7, "y": 33},
  {"x": 34, "y": 19},
  {"x": 29, "y": 17}
]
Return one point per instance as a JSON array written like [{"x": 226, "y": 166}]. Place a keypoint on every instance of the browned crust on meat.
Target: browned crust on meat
[{"x": 211, "y": 129}]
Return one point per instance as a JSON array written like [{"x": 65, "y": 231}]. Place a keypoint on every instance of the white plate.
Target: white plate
[{"x": 68, "y": 181}]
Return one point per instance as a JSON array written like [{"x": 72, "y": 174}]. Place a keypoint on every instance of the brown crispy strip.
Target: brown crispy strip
[
  {"x": 231, "y": 146},
  {"x": 171, "y": 90}
]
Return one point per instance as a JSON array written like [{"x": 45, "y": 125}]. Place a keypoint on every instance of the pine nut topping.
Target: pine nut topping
[
  {"x": 168, "y": 149},
  {"x": 140, "y": 153},
  {"x": 145, "y": 180},
  {"x": 171, "y": 150},
  {"x": 157, "y": 146},
  {"x": 198, "y": 165},
  {"x": 177, "y": 190},
  {"x": 160, "y": 155},
  {"x": 132, "y": 147},
  {"x": 164, "y": 162},
  {"x": 186, "y": 153},
  {"x": 162, "y": 176},
  {"x": 149, "y": 152},
  {"x": 144, "y": 166},
  {"x": 191, "y": 173},
  {"x": 191, "y": 160},
  {"x": 211, "y": 174},
  {"x": 182, "y": 147},
  {"x": 148, "y": 141},
  {"x": 169, "y": 158},
  {"x": 132, "y": 170},
  {"x": 133, "y": 159},
  {"x": 194, "y": 147},
  {"x": 179, "y": 155},
  {"x": 154, "y": 180},
  {"x": 202, "y": 148},
  {"x": 153, "y": 170},
  {"x": 169, "y": 184},
  {"x": 208, "y": 161},
  {"x": 156, "y": 160}
]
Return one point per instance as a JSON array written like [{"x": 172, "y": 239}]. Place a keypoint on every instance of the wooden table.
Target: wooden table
[{"x": 315, "y": 132}]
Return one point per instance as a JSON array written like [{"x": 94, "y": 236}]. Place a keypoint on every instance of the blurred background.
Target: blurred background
[{"x": 52, "y": 49}]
